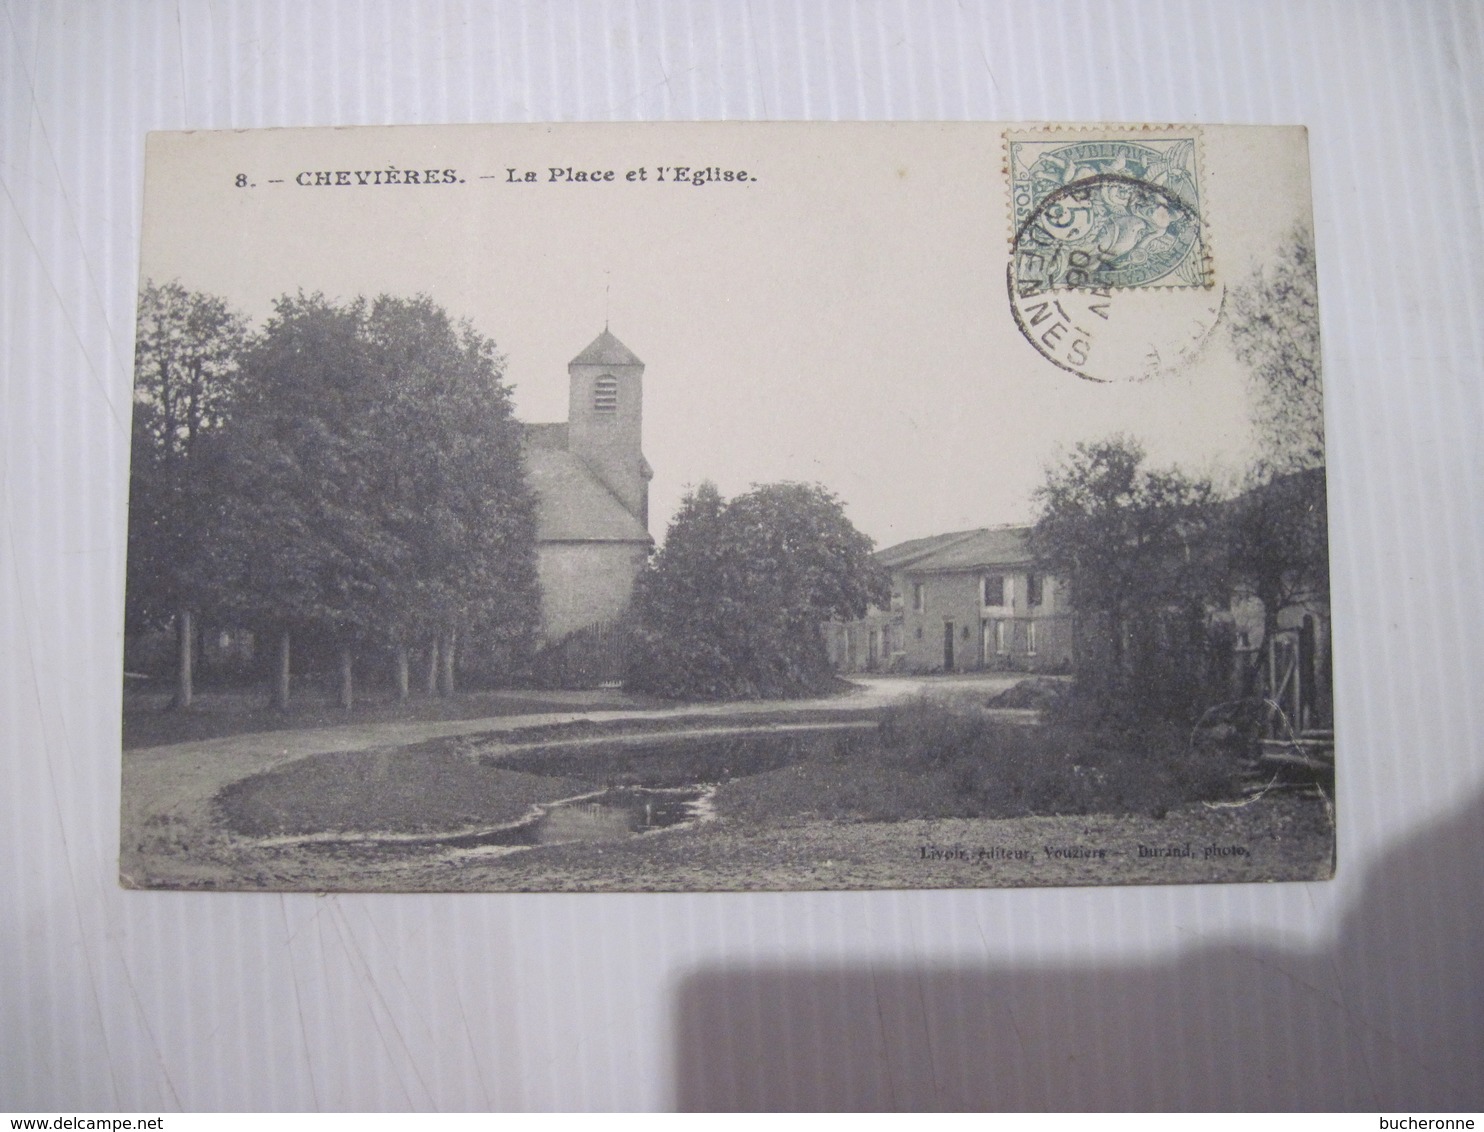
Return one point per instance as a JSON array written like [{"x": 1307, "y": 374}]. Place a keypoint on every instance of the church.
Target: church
[{"x": 591, "y": 482}]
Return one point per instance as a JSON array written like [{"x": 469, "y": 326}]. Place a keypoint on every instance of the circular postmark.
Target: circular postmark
[
  {"x": 1109, "y": 230},
  {"x": 1108, "y": 277}
]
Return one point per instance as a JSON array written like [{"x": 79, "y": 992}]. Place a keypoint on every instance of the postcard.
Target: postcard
[{"x": 727, "y": 506}]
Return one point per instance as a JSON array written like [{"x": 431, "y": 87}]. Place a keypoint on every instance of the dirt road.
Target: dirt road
[{"x": 158, "y": 780}]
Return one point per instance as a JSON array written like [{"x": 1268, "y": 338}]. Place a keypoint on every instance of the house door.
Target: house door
[{"x": 948, "y": 646}]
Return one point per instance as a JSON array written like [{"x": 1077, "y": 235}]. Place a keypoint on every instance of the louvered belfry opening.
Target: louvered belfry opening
[{"x": 605, "y": 394}]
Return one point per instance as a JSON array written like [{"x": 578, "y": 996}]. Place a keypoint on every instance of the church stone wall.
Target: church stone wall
[
  {"x": 586, "y": 582},
  {"x": 609, "y": 442}
]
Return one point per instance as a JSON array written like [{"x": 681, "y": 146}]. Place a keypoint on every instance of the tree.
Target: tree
[
  {"x": 1279, "y": 544},
  {"x": 186, "y": 351},
  {"x": 1142, "y": 551},
  {"x": 308, "y": 552},
  {"x": 1273, "y": 320},
  {"x": 450, "y": 487},
  {"x": 1279, "y": 550},
  {"x": 734, "y": 603},
  {"x": 379, "y": 495}
]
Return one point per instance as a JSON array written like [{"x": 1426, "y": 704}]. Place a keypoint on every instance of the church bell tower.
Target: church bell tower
[{"x": 605, "y": 414}]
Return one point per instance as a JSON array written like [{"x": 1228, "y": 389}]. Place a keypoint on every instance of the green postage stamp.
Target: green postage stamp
[{"x": 1092, "y": 210}]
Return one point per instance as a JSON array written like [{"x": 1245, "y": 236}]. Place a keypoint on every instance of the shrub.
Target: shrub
[
  {"x": 998, "y": 769},
  {"x": 732, "y": 607}
]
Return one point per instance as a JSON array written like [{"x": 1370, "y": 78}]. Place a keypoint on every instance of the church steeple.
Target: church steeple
[
  {"x": 605, "y": 419},
  {"x": 605, "y": 350}
]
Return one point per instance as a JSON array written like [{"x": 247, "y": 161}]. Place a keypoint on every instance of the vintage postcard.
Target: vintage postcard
[{"x": 727, "y": 506}]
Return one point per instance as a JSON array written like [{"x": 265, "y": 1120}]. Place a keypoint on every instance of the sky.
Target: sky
[{"x": 839, "y": 316}]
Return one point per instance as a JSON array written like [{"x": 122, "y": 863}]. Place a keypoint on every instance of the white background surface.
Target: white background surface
[{"x": 1366, "y": 992}]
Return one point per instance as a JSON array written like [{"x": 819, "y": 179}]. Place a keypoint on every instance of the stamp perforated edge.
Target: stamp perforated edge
[{"x": 1092, "y": 131}]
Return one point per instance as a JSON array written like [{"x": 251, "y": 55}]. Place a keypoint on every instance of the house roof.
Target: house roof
[
  {"x": 903, "y": 553},
  {"x": 573, "y": 505},
  {"x": 606, "y": 350},
  {"x": 547, "y": 435},
  {"x": 988, "y": 547}
]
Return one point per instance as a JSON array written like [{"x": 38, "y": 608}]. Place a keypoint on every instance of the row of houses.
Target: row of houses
[{"x": 963, "y": 601}]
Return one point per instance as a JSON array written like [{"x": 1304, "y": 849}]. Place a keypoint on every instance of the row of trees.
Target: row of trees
[
  {"x": 348, "y": 477},
  {"x": 1149, "y": 552}
]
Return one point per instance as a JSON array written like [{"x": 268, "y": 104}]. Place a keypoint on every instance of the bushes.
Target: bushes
[
  {"x": 997, "y": 769},
  {"x": 931, "y": 759},
  {"x": 732, "y": 607}
]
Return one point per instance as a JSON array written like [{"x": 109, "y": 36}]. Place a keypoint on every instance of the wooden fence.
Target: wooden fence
[{"x": 590, "y": 657}]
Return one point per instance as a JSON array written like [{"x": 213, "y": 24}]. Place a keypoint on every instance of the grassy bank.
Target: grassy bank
[
  {"x": 422, "y": 789},
  {"x": 924, "y": 760},
  {"x": 930, "y": 760}
]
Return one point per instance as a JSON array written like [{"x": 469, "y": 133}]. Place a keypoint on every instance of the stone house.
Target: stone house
[
  {"x": 963, "y": 601},
  {"x": 591, "y": 482}
]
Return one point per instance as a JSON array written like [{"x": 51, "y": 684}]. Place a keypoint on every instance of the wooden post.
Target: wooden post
[
  {"x": 185, "y": 642},
  {"x": 281, "y": 692},
  {"x": 402, "y": 672},
  {"x": 347, "y": 681}
]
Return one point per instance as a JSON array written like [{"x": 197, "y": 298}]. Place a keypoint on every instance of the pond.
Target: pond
[
  {"x": 669, "y": 759},
  {"x": 494, "y": 796}
]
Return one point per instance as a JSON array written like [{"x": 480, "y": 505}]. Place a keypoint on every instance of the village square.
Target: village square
[{"x": 764, "y": 700}]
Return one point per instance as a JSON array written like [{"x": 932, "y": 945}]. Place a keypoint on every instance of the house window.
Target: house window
[
  {"x": 1002, "y": 637},
  {"x": 919, "y": 596},
  {"x": 1030, "y": 638},
  {"x": 996, "y": 590},
  {"x": 605, "y": 394},
  {"x": 1033, "y": 589},
  {"x": 896, "y": 601}
]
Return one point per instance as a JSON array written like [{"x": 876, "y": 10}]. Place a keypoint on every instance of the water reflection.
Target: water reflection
[{"x": 616, "y": 813}]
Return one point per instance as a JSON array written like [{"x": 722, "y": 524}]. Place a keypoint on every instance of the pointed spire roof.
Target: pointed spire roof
[{"x": 606, "y": 350}]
